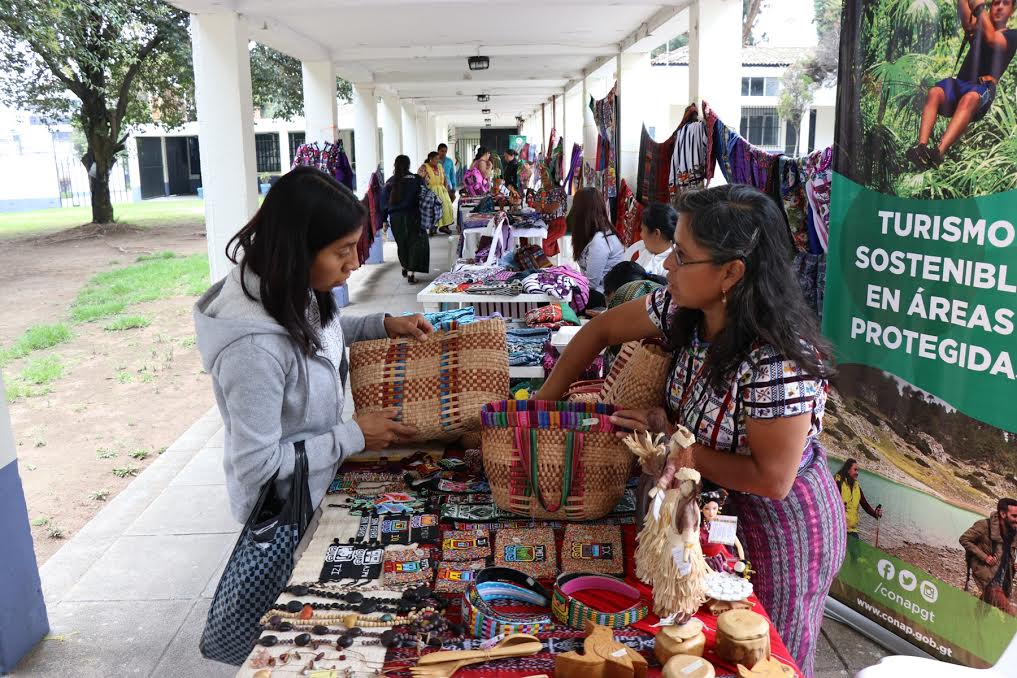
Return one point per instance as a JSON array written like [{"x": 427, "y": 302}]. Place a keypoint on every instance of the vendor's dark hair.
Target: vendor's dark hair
[
  {"x": 400, "y": 169},
  {"x": 660, "y": 216},
  {"x": 443, "y": 145},
  {"x": 513, "y": 152},
  {"x": 587, "y": 217},
  {"x": 843, "y": 473},
  {"x": 481, "y": 150},
  {"x": 737, "y": 221},
  {"x": 432, "y": 154},
  {"x": 1004, "y": 504},
  {"x": 303, "y": 213},
  {"x": 628, "y": 271}
]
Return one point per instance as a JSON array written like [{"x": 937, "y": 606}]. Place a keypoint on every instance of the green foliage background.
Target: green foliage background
[{"x": 909, "y": 46}]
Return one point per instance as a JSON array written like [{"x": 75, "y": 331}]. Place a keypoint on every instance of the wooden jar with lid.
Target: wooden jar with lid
[
  {"x": 685, "y": 638},
  {"x": 688, "y": 666},
  {"x": 743, "y": 637}
]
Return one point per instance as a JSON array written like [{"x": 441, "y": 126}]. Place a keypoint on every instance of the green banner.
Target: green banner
[
  {"x": 920, "y": 304},
  {"x": 927, "y": 290}
]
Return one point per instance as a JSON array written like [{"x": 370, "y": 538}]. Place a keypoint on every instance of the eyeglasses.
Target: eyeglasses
[{"x": 682, "y": 262}]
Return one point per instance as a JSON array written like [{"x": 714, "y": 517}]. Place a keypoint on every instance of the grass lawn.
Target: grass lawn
[{"x": 145, "y": 213}]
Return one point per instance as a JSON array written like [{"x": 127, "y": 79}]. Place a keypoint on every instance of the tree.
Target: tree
[
  {"x": 106, "y": 63},
  {"x": 796, "y": 94},
  {"x": 277, "y": 84},
  {"x": 750, "y": 12}
]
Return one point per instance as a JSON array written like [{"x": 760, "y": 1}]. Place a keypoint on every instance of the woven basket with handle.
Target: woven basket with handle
[
  {"x": 552, "y": 459},
  {"x": 636, "y": 380},
  {"x": 438, "y": 385}
]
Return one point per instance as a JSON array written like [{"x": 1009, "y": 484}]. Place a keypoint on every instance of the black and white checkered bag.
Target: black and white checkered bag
[{"x": 258, "y": 569}]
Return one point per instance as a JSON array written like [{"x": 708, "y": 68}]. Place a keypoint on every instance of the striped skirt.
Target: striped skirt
[{"x": 796, "y": 546}]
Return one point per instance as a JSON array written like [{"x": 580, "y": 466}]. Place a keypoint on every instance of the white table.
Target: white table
[{"x": 485, "y": 304}]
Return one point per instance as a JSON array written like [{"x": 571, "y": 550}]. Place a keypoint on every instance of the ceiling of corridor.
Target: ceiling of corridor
[{"x": 418, "y": 48}]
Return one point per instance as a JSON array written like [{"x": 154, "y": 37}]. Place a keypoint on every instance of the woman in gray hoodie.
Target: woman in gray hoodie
[{"x": 271, "y": 337}]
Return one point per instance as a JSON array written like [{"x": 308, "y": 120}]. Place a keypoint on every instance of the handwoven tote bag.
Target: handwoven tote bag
[
  {"x": 259, "y": 567},
  {"x": 554, "y": 460},
  {"x": 438, "y": 385},
  {"x": 636, "y": 380}
]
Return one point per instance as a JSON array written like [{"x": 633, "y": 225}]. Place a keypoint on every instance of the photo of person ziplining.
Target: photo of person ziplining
[{"x": 966, "y": 98}]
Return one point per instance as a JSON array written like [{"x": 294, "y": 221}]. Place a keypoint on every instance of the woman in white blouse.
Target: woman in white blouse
[
  {"x": 593, "y": 238},
  {"x": 657, "y": 230}
]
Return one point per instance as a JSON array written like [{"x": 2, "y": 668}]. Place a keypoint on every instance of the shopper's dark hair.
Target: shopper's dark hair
[
  {"x": 1004, "y": 504},
  {"x": 587, "y": 217},
  {"x": 441, "y": 146},
  {"x": 432, "y": 154},
  {"x": 737, "y": 221},
  {"x": 660, "y": 216},
  {"x": 626, "y": 272},
  {"x": 303, "y": 213},
  {"x": 512, "y": 152},
  {"x": 400, "y": 169},
  {"x": 481, "y": 150},
  {"x": 845, "y": 469}
]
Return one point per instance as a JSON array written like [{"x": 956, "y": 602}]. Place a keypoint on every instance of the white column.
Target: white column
[
  {"x": 222, "y": 88},
  {"x": 284, "y": 151},
  {"x": 589, "y": 126},
  {"x": 321, "y": 117},
  {"x": 431, "y": 123},
  {"x": 165, "y": 166},
  {"x": 408, "y": 122},
  {"x": 391, "y": 130},
  {"x": 715, "y": 56},
  {"x": 365, "y": 133},
  {"x": 134, "y": 167},
  {"x": 423, "y": 147},
  {"x": 559, "y": 114},
  {"x": 633, "y": 74}
]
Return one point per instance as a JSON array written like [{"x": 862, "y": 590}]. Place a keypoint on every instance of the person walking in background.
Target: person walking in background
[
  {"x": 434, "y": 177},
  {"x": 853, "y": 497},
  {"x": 448, "y": 165},
  {"x": 400, "y": 204},
  {"x": 990, "y": 547}
]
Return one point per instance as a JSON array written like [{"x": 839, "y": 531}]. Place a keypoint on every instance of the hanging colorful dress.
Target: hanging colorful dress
[{"x": 434, "y": 177}]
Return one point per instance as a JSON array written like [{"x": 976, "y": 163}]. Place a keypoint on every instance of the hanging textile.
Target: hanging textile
[
  {"x": 372, "y": 203},
  {"x": 654, "y": 168},
  {"x": 329, "y": 158},
  {"x": 605, "y": 115},
  {"x": 818, "y": 182},
  {"x": 628, "y": 220},
  {"x": 688, "y": 161},
  {"x": 575, "y": 167}
]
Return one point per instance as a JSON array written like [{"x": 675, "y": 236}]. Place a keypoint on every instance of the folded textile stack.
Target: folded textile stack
[
  {"x": 449, "y": 320},
  {"x": 526, "y": 345},
  {"x": 560, "y": 282},
  {"x": 552, "y": 317}
]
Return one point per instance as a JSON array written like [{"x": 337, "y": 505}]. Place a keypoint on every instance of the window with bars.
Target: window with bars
[
  {"x": 760, "y": 126},
  {"x": 266, "y": 152},
  {"x": 296, "y": 141},
  {"x": 759, "y": 86}
]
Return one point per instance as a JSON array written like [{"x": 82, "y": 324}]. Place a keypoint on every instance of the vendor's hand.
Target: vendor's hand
[
  {"x": 415, "y": 326},
  {"x": 879, "y": 513},
  {"x": 991, "y": 561},
  {"x": 653, "y": 420},
  {"x": 380, "y": 430}
]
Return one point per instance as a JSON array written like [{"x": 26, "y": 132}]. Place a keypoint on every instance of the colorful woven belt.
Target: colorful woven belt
[
  {"x": 503, "y": 583},
  {"x": 570, "y": 611}
]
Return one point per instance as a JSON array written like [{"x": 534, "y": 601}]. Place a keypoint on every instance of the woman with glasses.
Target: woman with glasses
[{"x": 749, "y": 378}]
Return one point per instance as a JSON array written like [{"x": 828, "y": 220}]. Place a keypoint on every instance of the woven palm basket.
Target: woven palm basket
[
  {"x": 552, "y": 459},
  {"x": 438, "y": 385}
]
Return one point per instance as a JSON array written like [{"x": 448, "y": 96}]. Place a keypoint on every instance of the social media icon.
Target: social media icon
[
  {"x": 929, "y": 591},
  {"x": 886, "y": 569},
  {"x": 908, "y": 580}
]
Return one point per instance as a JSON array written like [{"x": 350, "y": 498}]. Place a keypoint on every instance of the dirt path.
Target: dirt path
[{"x": 121, "y": 392}]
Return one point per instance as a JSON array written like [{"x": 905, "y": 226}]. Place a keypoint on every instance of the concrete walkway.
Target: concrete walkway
[{"x": 128, "y": 594}]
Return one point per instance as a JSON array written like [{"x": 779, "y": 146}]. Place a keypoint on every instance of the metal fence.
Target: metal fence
[{"x": 72, "y": 180}]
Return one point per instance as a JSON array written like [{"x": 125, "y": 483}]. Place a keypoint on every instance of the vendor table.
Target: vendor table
[
  {"x": 486, "y": 304},
  {"x": 334, "y": 524}
]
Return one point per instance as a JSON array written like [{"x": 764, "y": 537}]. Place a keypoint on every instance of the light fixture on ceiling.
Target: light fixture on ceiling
[
  {"x": 483, "y": 98},
  {"x": 478, "y": 63},
  {"x": 485, "y": 111}
]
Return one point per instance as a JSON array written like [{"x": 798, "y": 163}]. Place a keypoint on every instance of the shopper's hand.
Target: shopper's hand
[
  {"x": 991, "y": 561},
  {"x": 380, "y": 430},
  {"x": 653, "y": 420},
  {"x": 415, "y": 326},
  {"x": 879, "y": 513}
]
